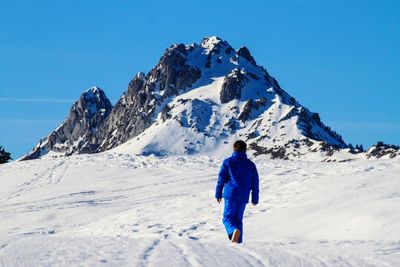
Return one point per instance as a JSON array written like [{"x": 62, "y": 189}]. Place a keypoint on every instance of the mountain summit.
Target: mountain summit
[
  {"x": 77, "y": 132},
  {"x": 197, "y": 99}
]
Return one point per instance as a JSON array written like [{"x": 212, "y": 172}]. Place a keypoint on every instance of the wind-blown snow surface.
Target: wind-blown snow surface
[{"x": 121, "y": 210}]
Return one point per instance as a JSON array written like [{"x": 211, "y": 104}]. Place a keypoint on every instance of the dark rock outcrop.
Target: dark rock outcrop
[
  {"x": 274, "y": 152},
  {"x": 246, "y": 112},
  {"x": 77, "y": 133},
  {"x": 245, "y": 53},
  {"x": 381, "y": 149},
  {"x": 135, "y": 110},
  {"x": 232, "y": 86},
  {"x": 310, "y": 123}
]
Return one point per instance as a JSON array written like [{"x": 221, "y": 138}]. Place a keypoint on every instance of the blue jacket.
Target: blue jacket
[{"x": 237, "y": 177}]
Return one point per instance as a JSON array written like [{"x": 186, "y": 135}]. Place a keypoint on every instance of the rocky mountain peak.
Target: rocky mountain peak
[
  {"x": 76, "y": 133},
  {"x": 210, "y": 42},
  {"x": 197, "y": 99},
  {"x": 93, "y": 101},
  {"x": 245, "y": 53},
  {"x": 214, "y": 45}
]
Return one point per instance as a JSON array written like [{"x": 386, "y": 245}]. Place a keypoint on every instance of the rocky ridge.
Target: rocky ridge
[{"x": 197, "y": 99}]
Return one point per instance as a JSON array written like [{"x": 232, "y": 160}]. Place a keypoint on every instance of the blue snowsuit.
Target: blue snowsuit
[{"x": 237, "y": 177}]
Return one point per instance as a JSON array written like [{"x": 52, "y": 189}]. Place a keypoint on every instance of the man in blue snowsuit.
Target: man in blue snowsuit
[{"x": 237, "y": 177}]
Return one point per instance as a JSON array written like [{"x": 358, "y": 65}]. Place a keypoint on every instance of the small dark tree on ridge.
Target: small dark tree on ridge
[{"x": 4, "y": 155}]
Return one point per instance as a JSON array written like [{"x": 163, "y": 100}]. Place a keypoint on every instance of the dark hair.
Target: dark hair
[{"x": 240, "y": 146}]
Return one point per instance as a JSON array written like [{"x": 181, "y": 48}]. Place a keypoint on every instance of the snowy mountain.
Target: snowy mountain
[
  {"x": 197, "y": 99},
  {"x": 120, "y": 209},
  {"x": 77, "y": 132}
]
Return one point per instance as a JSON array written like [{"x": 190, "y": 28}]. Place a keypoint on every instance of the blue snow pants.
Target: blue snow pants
[{"x": 233, "y": 216}]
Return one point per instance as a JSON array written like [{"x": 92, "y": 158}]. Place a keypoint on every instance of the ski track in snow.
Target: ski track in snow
[{"x": 122, "y": 210}]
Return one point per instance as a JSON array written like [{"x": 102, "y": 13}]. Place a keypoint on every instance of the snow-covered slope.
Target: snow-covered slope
[
  {"x": 113, "y": 209},
  {"x": 198, "y": 99}
]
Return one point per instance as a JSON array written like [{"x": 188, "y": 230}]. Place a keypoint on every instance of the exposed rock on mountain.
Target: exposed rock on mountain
[
  {"x": 232, "y": 86},
  {"x": 245, "y": 53},
  {"x": 77, "y": 133},
  {"x": 135, "y": 110},
  {"x": 199, "y": 98},
  {"x": 381, "y": 149}
]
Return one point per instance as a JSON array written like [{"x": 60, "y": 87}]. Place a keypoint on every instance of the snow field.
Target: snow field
[{"x": 113, "y": 209}]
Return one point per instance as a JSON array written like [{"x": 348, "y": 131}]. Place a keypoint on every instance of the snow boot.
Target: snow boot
[{"x": 235, "y": 236}]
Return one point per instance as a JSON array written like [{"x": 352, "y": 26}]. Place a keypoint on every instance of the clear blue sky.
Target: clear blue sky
[{"x": 338, "y": 58}]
